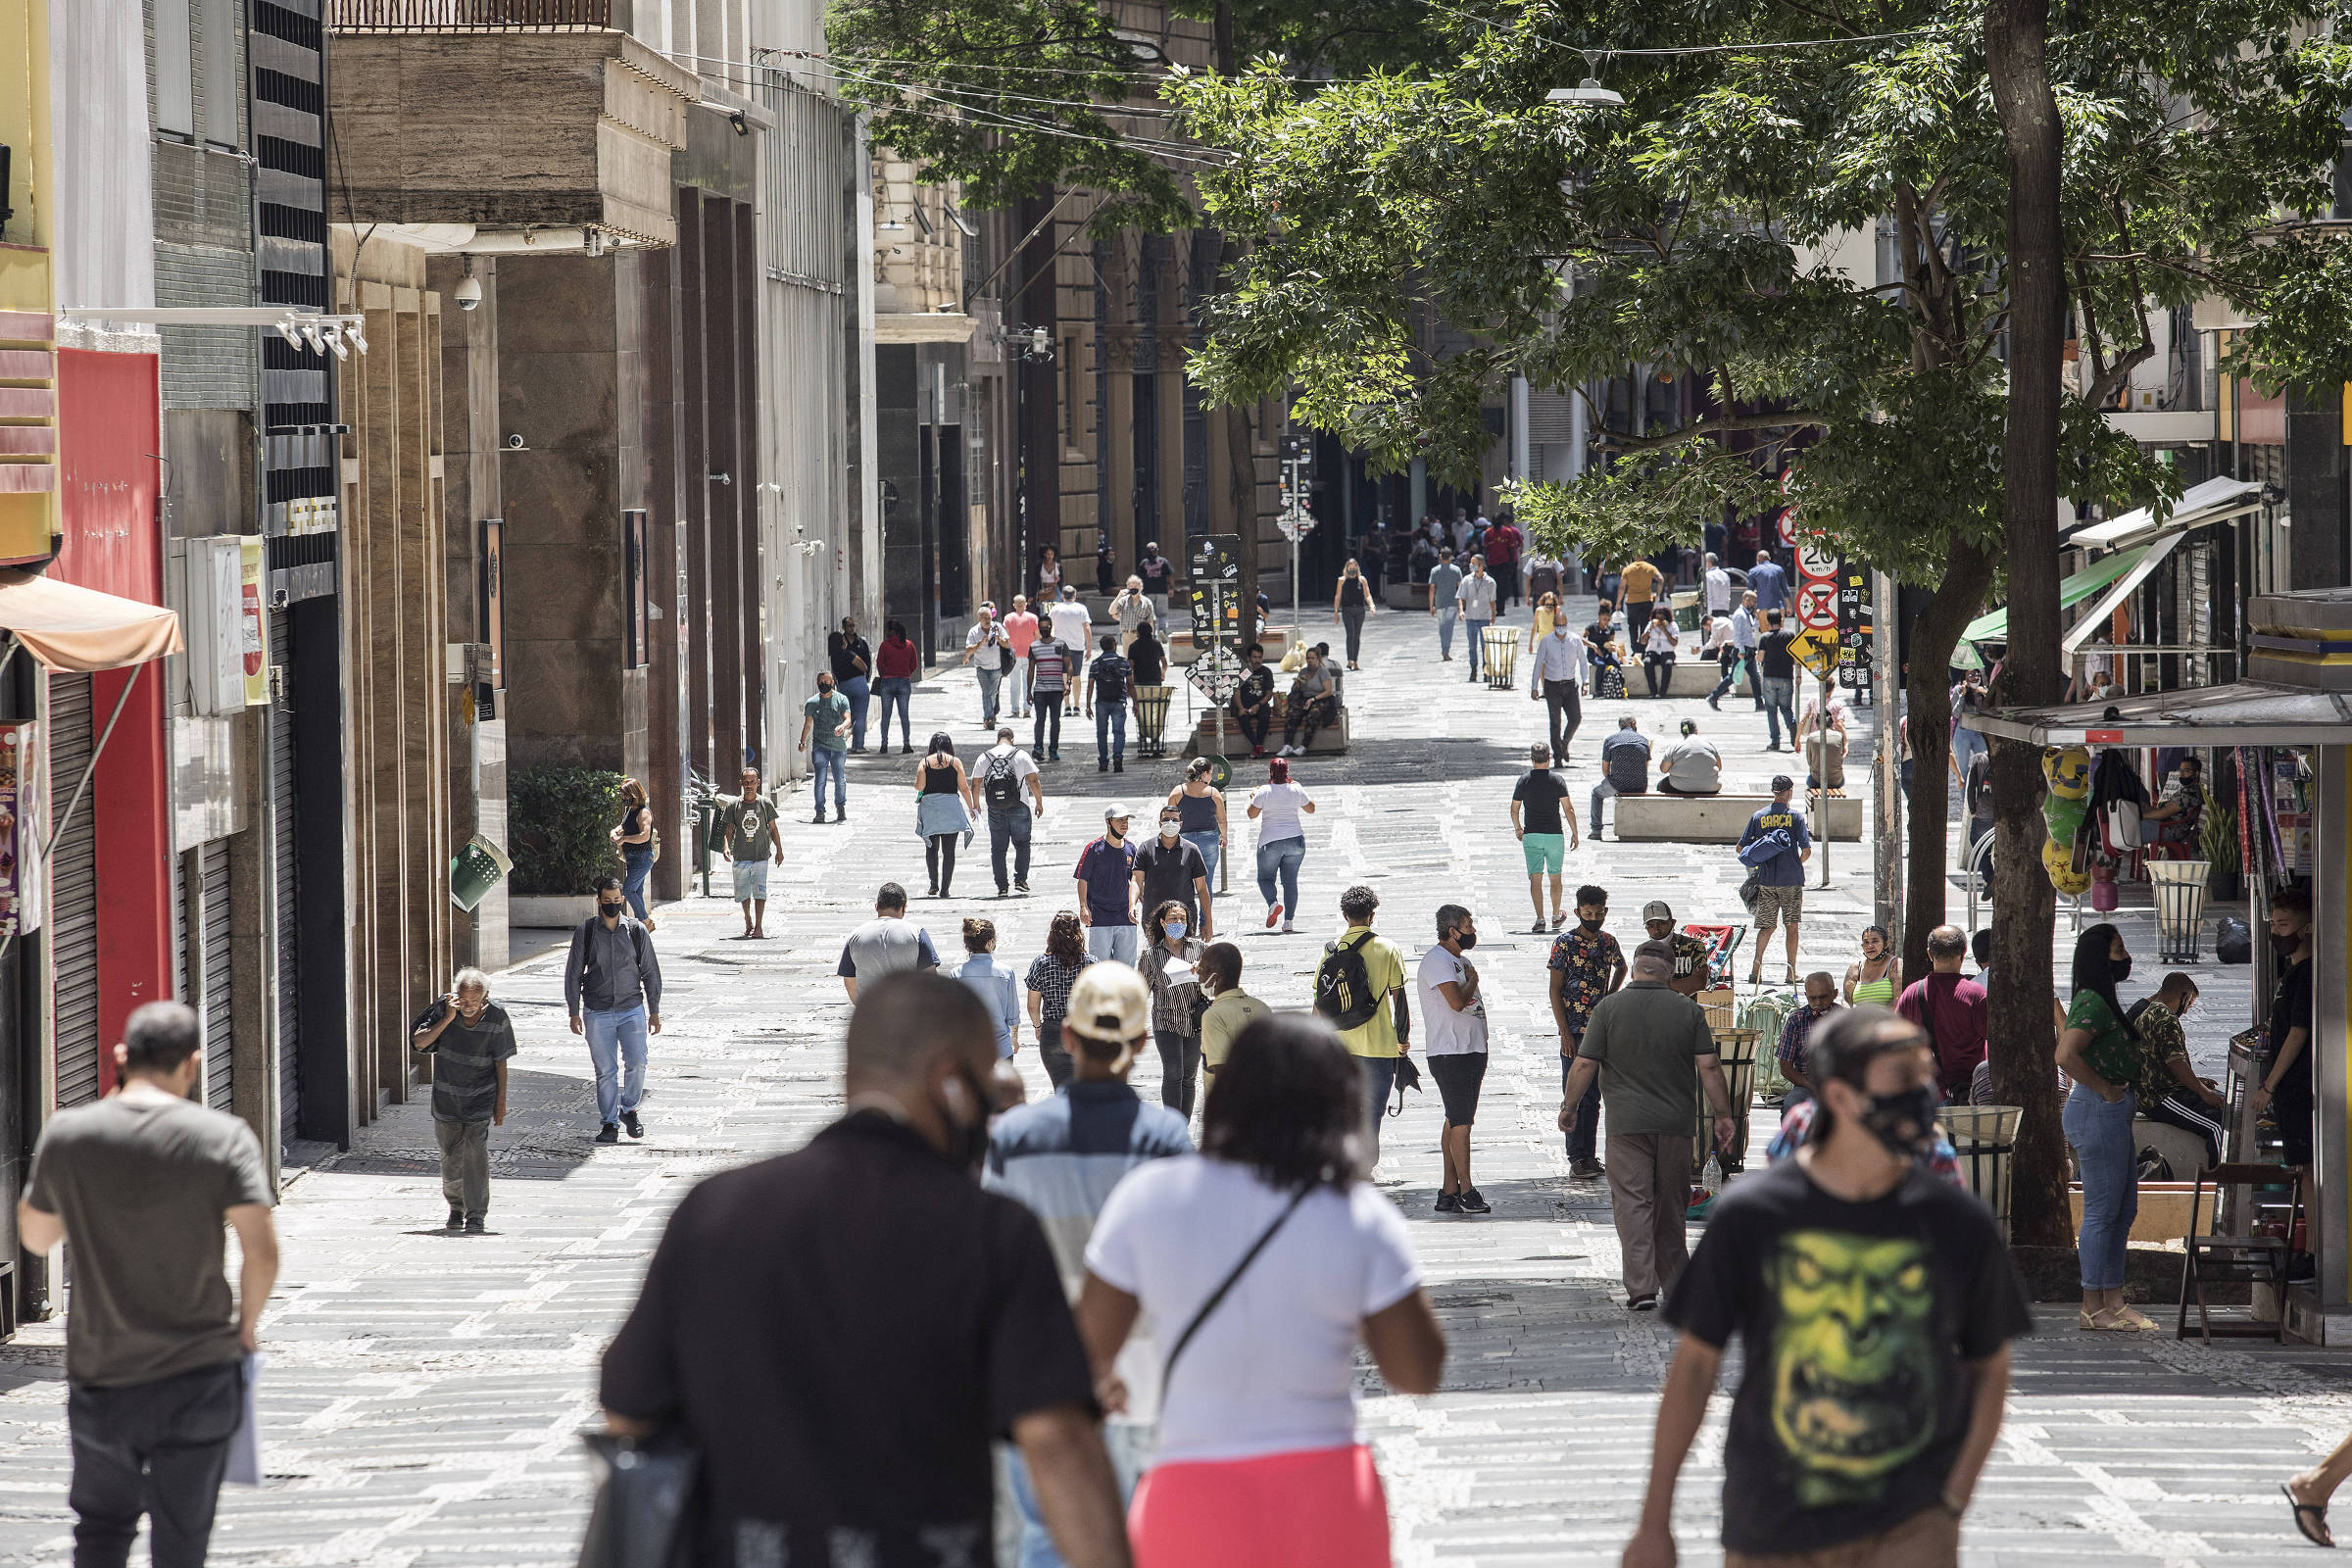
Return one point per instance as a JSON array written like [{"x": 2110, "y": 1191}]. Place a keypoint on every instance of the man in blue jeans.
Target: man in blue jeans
[
  {"x": 1476, "y": 597},
  {"x": 1444, "y": 600},
  {"x": 1108, "y": 679},
  {"x": 1106, "y": 879},
  {"x": 825, "y": 725},
  {"x": 612, "y": 987}
]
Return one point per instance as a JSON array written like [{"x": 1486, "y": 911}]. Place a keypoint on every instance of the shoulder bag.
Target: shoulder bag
[
  {"x": 644, "y": 1511},
  {"x": 1167, "y": 1371}
]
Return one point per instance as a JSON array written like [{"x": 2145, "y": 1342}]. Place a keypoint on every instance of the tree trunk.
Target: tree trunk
[
  {"x": 1934, "y": 636},
  {"x": 1238, "y": 507},
  {"x": 2016, "y": 40}
]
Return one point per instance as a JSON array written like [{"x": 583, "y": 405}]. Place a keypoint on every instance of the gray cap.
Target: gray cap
[
  {"x": 1116, "y": 811},
  {"x": 1781, "y": 781},
  {"x": 1657, "y": 910}
]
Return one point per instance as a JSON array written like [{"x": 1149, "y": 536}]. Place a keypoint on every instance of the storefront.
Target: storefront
[{"x": 2287, "y": 732}]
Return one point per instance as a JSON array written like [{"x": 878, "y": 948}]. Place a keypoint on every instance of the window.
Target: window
[
  {"x": 174, "y": 64},
  {"x": 223, "y": 82}
]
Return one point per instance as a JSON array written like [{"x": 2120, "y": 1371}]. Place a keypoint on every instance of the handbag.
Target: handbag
[
  {"x": 1167, "y": 1370},
  {"x": 1750, "y": 890},
  {"x": 642, "y": 1514}
]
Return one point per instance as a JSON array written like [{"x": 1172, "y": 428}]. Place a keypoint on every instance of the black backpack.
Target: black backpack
[
  {"x": 1343, "y": 985},
  {"x": 1110, "y": 679},
  {"x": 1000, "y": 787}
]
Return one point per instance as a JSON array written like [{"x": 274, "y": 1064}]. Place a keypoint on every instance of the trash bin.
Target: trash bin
[
  {"x": 706, "y": 838},
  {"x": 1985, "y": 1137},
  {"x": 1686, "y": 607},
  {"x": 1736, "y": 1047},
  {"x": 477, "y": 868},
  {"x": 1500, "y": 653},
  {"x": 1152, "y": 720},
  {"x": 2179, "y": 906}
]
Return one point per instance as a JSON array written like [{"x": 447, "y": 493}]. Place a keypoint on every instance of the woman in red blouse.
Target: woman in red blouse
[{"x": 895, "y": 664}]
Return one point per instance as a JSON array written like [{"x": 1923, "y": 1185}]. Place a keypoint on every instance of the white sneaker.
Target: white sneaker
[{"x": 1286, "y": 927}]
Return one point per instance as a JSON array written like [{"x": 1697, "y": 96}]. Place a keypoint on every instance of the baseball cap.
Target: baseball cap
[
  {"x": 1115, "y": 811},
  {"x": 1781, "y": 781},
  {"x": 1657, "y": 910},
  {"x": 1109, "y": 1001}
]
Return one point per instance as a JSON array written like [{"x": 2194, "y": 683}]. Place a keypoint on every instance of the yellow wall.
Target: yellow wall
[{"x": 29, "y": 469}]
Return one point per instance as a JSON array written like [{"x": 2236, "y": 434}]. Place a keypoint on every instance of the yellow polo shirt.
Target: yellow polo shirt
[{"x": 1384, "y": 966}]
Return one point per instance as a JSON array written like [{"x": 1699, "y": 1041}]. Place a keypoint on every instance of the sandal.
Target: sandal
[{"x": 2311, "y": 1518}]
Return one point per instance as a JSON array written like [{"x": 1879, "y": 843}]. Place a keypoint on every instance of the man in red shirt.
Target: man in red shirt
[
  {"x": 1951, "y": 1009},
  {"x": 1021, "y": 627},
  {"x": 1504, "y": 540}
]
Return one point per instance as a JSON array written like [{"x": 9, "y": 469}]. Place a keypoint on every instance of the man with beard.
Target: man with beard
[{"x": 1875, "y": 1307}]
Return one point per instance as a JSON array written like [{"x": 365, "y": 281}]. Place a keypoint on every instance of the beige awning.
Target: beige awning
[{"x": 71, "y": 628}]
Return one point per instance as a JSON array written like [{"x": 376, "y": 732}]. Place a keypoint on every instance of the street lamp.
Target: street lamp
[{"x": 1588, "y": 91}]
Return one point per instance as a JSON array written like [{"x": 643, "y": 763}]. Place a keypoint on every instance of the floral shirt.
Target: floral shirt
[
  {"x": 1588, "y": 959},
  {"x": 1942, "y": 1162}
]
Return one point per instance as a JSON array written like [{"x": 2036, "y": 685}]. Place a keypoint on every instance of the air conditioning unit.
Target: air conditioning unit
[{"x": 2145, "y": 399}]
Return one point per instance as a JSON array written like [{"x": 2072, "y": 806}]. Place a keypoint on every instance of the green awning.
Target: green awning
[{"x": 1993, "y": 625}]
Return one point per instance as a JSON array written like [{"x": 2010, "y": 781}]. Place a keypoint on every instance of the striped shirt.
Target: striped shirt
[{"x": 1049, "y": 665}]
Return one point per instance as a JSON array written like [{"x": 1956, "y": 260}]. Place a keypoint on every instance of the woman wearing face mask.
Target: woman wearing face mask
[
  {"x": 2104, "y": 1054},
  {"x": 1170, "y": 969},
  {"x": 945, "y": 806}
]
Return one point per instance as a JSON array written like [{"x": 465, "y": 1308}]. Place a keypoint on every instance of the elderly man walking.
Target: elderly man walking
[{"x": 1659, "y": 1049}]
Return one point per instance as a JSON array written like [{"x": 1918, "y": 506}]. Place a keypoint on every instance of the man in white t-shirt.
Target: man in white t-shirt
[
  {"x": 1072, "y": 626},
  {"x": 1455, "y": 1032},
  {"x": 1719, "y": 587},
  {"x": 1002, "y": 774},
  {"x": 988, "y": 648}
]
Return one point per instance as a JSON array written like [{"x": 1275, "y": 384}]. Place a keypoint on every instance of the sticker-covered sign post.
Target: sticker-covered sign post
[{"x": 1212, "y": 587}]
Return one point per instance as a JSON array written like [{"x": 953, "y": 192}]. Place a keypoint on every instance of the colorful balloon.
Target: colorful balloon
[
  {"x": 2059, "y": 862},
  {"x": 2063, "y": 815},
  {"x": 2066, "y": 770}
]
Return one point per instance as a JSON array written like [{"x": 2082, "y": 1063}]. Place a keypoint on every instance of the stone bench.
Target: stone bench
[
  {"x": 1330, "y": 741},
  {"x": 1721, "y": 818}
]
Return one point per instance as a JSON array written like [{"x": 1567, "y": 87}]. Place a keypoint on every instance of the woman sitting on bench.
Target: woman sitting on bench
[{"x": 1691, "y": 765}]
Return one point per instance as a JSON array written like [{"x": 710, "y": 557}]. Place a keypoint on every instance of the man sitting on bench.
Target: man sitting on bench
[
  {"x": 1313, "y": 700},
  {"x": 2180, "y": 809},
  {"x": 1254, "y": 700}
]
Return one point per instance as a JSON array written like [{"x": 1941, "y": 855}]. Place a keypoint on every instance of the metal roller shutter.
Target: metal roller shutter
[
  {"x": 220, "y": 990},
  {"x": 287, "y": 917},
  {"x": 74, "y": 885}
]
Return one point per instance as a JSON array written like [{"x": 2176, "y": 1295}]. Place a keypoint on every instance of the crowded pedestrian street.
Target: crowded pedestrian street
[{"x": 421, "y": 1390}]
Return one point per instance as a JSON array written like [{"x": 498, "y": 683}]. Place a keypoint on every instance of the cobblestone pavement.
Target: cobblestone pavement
[{"x": 422, "y": 1391}]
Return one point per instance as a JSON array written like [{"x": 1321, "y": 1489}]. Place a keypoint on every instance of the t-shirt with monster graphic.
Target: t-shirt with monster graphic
[{"x": 1855, "y": 1320}]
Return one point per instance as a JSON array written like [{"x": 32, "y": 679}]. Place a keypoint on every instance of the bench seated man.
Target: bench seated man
[{"x": 2180, "y": 812}]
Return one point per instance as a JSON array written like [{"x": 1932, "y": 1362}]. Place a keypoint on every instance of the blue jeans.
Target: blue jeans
[
  {"x": 1755, "y": 678},
  {"x": 1010, "y": 830},
  {"x": 989, "y": 679},
  {"x": 894, "y": 691},
  {"x": 616, "y": 1045},
  {"x": 1380, "y": 1078},
  {"x": 1447, "y": 614},
  {"x": 1016, "y": 688},
  {"x": 1113, "y": 940},
  {"x": 831, "y": 759},
  {"x": 1130, "y": 1445},
  {"x": 1111, "y": 732},
  {"x": 638, "y": 862},
  {"x": 1281, "y": 859},
  {"x": 1208, "y": 843},
  {"x": 858, "y": 692},
  {"x": 1478, "y": 644},
  {"x": 1780, "y": 698},
  {"x": 1584, "y": 1142},
  {"x": 2104, "y": 1149}
]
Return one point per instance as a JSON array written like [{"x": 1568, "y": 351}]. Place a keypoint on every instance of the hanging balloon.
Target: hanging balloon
[
  {"x": 2102, "y": 888},
  {"x": 2060, "y": 864},
  {"x": 2063, "y": 815},
  {"x": 2066, "y": 770}
]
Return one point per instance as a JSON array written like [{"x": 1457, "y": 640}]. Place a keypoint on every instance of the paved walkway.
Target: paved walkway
[{"x": 424, "y": 1391}]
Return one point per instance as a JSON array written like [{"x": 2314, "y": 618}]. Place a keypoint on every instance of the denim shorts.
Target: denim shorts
[{"x": 751, "y": 880}]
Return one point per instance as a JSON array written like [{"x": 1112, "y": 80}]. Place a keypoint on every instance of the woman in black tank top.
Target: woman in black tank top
[
  {"x": 1350, "y": 603},
  {"x": 945, "y": 806}
]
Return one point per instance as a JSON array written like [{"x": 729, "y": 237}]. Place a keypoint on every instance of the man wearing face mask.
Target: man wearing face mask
[
  {"x": 612, "y": 984},
  {"x": 1171, "y": 870},
  {"x": 1061, "y": 1156},
  {"x": 1875, "y": 1307},
  {"x": 872, "y": 1447}
]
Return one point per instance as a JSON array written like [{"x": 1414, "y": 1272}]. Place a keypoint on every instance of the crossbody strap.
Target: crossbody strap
[{"x": 1217, "y": 1297}]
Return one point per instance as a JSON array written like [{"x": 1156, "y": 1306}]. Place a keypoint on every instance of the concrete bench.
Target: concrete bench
[
  {"x": 1330, "y": 741},
  {"x": 1695, "y": 677},
  {"x": 1721, "y": 818}
]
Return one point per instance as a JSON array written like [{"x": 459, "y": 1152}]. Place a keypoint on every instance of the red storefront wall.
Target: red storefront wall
[{"x": 110, "y": 426}]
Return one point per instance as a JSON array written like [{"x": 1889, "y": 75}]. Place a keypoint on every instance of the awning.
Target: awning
[
  {"x": 2213, "y": 501},
  {"x": 2244, "y": 714},
  {"x": 2103, "y": 611},
  {"x": 72, "y": 628},
  {"x": 1993, "y": 625}
]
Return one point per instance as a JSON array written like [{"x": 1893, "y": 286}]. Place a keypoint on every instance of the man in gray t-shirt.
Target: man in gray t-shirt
[
  {"x": 1444, "y": 600},
  {"x": 155, "y": 1344},
  {"x": 886, "y": 944}
]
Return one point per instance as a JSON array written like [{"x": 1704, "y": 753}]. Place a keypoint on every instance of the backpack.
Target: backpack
[
  {"x": 1343, "y": 985},
  {"x": 1110, "y": 679},
  {"x": 1000, "y": 787}
]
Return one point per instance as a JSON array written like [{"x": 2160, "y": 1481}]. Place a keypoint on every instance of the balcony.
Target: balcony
[{"x": 520, "y": 118}]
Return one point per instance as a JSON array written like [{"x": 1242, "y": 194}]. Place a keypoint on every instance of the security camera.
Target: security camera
[
  {"x": 469, "y": 293},
  {"x": 515, "y": 443}
]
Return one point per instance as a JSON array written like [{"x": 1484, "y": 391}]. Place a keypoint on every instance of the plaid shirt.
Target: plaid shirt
[
  {"x": 1587, "y": 960},
  {"x": 1051, "y": 980},
  {"x": 1795, "y": 1033}
]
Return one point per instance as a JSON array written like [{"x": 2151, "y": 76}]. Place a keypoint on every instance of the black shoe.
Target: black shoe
[
  {"x": 1118, "y": 767},
  {"x": 904, "y": 751},
  {"x": 457, "y": 1217},
  {"x": 610, "y": 1132},
  {"x": 819, "y": 818},
  {"x": 1102, "y": 767},
  {"x": 841, "y": 816},
  {"x": 629, "y": 1121},
  {"x": 933, "y": 892},
  {"x": 1449, "y": 1203},
  {"x": 1712, "y": 702},
  {"x": 1586, "y": 1170},
  {"x": 1004, "y": 893},
  {"x": 1642, "y": 1303},
  {"x": 1473, "y": 1201},
  {"x": 1020, "y": 887},
  {"x": 475, "y": 1227}
]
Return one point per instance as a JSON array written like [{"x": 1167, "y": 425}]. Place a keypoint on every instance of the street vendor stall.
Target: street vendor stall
[{"x": 2286, "y": 728}]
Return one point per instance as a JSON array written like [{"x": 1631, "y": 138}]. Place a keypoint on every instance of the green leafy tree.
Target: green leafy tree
[{"x": 1696, "y": 230}]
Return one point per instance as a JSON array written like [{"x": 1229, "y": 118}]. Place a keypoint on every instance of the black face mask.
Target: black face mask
[
  {"x": 1904, "y": 1123},
  {"x": 1465, "y": 940},
  {"x": 1590, "y": 925},
  {"x": 2286, "y": 944},
  {"x": 610, "y": 911},
  {"x": 2119, "y": 969},
  {"x": 825, "y": 690}
]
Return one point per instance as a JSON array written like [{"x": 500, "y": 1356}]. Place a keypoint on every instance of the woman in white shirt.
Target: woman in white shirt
[
  {"x": 1277, "y": 806},
  {"x": 1261, "y": 1263}
]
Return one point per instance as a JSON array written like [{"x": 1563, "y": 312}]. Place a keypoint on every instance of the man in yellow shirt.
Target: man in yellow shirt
[
  {"x": 1385, "y": 1036},
  {"x": 1640, "y": 581}
]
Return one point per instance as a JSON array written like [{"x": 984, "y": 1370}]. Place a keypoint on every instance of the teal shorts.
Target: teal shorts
[{"x": 1545, "y": 852}]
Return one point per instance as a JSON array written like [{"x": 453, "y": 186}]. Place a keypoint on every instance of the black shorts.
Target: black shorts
[
  {"x": 2291, "y": 1107},
  {"x": 1458, "y": 1078}
]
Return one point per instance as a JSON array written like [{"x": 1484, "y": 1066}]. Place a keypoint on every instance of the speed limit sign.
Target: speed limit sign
[
  {"x": 1816, "y": 560},
  {"x": 1817, "y": 604}
]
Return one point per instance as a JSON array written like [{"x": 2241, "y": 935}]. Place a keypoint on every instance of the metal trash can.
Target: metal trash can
[
  {"x": 1500, "y": 652},
  {"x": 1985, "y": 1137},
  {"x": 2180, "y": 887},
  {"x": 1738, "y": 1049},
  {"x": 1152, "y": 720}
]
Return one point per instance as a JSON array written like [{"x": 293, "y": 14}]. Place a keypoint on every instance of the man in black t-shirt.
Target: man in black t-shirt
[
  {"x": 1875, "y": 1305},
  {"x": 1169, "y": 869},
  {"x": 2286, "y": 1087},
  {"x": 1779, "y": 678},
  {"x": 843, "y": 1394},
  {"x": 1535, "y": 817},
  {"x": 1254, "y": 700}
]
